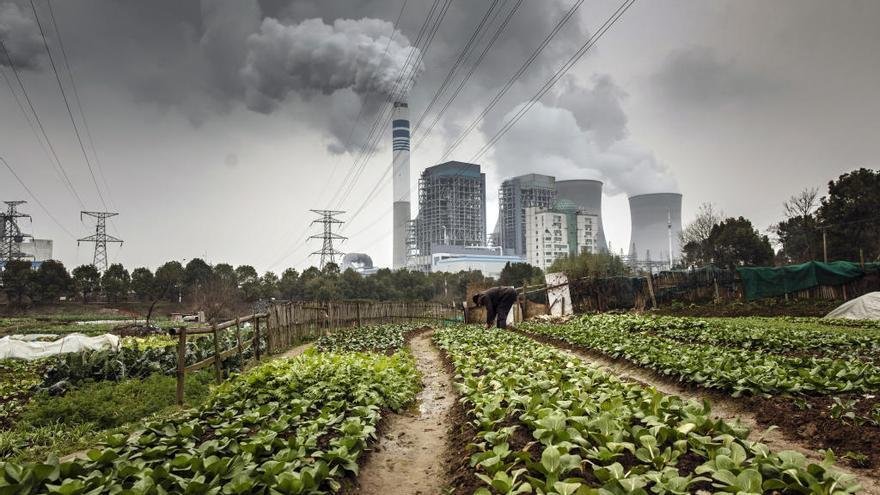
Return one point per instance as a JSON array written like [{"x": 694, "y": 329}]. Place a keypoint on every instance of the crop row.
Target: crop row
[
  {"x": 768, "y": 334},
  {"x": 589, "y": 433},
  {"x": 375, "y": 338},
  {"x": 739, "y": 371},
  {"x": 286, "y": 427}
]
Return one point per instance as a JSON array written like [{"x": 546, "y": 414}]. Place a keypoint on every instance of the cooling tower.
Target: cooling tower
[
  {"x": 400, "y": 169},
  {"x": 651, "y": 215},
  {"x": 587, "y": 196}
]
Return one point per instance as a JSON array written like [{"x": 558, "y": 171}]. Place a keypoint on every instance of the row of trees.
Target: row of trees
[
  {"x": 212, "y": 286},
  {"x": 849, "y": 215}
]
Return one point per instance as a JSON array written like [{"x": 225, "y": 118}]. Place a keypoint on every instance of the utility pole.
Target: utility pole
[
  {"x": 825, "y": 243},
  {"x": 11, "y": 233},
  {"x": 100, "y": 238},
  {"x": 327, "y": 252}
]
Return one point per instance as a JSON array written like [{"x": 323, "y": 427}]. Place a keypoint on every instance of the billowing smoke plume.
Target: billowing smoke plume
[
  {"x": 312, "y": 56},
  {"x": 587, "y": 141},
  {"x": 20, "y": 36}
]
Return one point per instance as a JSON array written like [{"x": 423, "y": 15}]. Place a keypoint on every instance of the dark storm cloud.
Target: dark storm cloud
[
  {"x": 335, "y": 59},
  {"x": 697, "y": 76},
  {"x": 363, "y": 55},
  {"x": 21, "y": 37}
]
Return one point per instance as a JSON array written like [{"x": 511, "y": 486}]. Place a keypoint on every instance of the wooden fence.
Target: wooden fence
[{"x": 286, "y": 324}]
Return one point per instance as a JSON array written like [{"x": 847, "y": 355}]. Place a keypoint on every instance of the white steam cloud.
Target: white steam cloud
[
  {"x": 20, "y": 36},
  {"x": 554, "y": 140},
  {"x": 318, "y": 57}
]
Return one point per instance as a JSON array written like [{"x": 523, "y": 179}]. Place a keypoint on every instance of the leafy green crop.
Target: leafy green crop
[
  {"x": 376, "y": 338},
  {"x": 285, "y": 427},
  {"x": 589, "y": 433},
  {"x": 812, "y": 335},
  {"x": 739, "y": 371}
]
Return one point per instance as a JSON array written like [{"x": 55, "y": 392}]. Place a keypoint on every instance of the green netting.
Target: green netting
[{"x": 760, "y": 282}]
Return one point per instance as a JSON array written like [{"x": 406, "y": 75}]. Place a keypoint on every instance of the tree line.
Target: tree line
[
  {"x": 844, "y": 224},
  {"x": 213, "y": 286}
]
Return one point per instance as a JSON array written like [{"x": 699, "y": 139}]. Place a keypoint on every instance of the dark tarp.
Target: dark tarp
[{"x": 760, "y": 282}]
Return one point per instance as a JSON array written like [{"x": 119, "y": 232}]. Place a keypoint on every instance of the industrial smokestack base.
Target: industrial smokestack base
[
  {"x": 400, "y": 139},
  {"x": 656, "y": 224}
]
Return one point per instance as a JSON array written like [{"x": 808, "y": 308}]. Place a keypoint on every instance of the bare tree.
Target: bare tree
[
  {"x": 802, "y": 204},
  {"x": 698, "y": 230},
  {"x": 217, "y": 299}
]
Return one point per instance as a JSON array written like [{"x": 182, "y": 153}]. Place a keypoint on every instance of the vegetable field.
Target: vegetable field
[{"x": 393, "y": 409}]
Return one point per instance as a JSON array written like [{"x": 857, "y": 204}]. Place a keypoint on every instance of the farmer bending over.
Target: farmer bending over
[{"x": 498, "y": 301}]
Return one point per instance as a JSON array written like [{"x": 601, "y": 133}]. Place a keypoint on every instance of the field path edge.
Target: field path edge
[
  {"x": 409, "y": 457},
  {"x": 723, "y": 407}
]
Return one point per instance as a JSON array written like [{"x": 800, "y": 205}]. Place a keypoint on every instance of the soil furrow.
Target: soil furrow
[
  {"x": 723, "y": 406},
  {"x": 408, "y": 458}
]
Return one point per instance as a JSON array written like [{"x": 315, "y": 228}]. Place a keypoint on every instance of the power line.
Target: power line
[
  {"x": 67, "y": 105},
  {"x": 591, "y": 41},
  {"x": 30, "y": 103},
  {"x": 78, "y": 102},
  {"x": 36, "y": 199},
  {"x": 476, "y": 64},
  {"x": 513, "y": 78},
  {"x": 363, "y": 105}
]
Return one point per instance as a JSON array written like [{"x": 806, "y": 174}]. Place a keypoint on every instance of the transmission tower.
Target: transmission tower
[
  {"x": 12, "y": 236},
  {"x": 328, "y": 254},
  {"x": 100, "y": 238}
]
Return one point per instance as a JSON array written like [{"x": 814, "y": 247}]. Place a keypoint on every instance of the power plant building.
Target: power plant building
[
  {"x": 454, "y": 259},
  {"x": 559, "y": 232},
  {"x": 656, "y": 225},
  {"x": 400, "y": 140},
  {"x": 514, "y": 196},
  {"x": 452, "y": 207},
  {"x": 587, "y": 197}
]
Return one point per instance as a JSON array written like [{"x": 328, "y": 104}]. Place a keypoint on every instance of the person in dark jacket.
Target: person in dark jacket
[{"x": 498, "y": 301}]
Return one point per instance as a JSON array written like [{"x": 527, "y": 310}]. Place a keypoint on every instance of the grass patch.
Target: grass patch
[{"x": 62, "y": 425}]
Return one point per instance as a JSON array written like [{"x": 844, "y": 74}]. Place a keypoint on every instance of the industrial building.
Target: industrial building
[
  {"x": 656, "y": 225},
  {"x": 36, "y": 249},
  {"x": 564, "y": 230},
  {"x": 400, "y": 168},
  {"x": 360, "y": 262},
  {"x": 452, "y": 207},
  {"x": 587, "y": 196},
  {"x": 514, "y": 196},
  {"x": 453, "y": 259}
]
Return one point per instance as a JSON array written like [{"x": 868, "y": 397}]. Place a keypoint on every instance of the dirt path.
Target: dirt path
[
  {"x": 409, "y": 456},
  {"x": 294, "y": 352},
  {"x": 723, "y": 407}
]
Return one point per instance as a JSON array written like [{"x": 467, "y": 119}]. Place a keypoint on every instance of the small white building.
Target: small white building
[
  {"x": 559, "y": 232},
  {"x": 36, "y": 249}
]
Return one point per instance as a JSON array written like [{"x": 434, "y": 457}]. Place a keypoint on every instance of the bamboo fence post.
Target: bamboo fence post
[
  {"x": 256, "y": 338},
  {"x": 218, "y": 366},
  {"x": 181, "y": 364},
  {"x": 238, "y": 341},
  {"x": 651, "y": 290}
]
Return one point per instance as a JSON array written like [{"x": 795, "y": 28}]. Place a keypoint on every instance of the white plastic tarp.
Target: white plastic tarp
[
  {"x": 14, "y": 348},
  {"x": 866, "y": 307}
]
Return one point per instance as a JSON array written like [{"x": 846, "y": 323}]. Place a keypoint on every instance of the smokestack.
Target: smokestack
[
  {"x": 656, "y": 223},
  {"x": 400, "y": 168}
]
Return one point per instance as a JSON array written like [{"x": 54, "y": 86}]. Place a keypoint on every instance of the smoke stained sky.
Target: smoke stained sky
[{"x": 219, "y": 123}]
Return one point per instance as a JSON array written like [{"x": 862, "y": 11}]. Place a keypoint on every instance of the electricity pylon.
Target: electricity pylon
[
  {"x": 11, "y": 234},
  {"x": 100, "y": 238},
  {"x": 327, "y": 252}
]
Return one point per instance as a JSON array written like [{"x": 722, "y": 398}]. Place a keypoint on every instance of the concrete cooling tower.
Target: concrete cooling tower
[
  {"x": 651, "y": 215},
  {"x": 587, "y": 196}
]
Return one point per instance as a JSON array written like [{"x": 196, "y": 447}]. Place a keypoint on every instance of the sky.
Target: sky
[{"x": 213, "y": 127}]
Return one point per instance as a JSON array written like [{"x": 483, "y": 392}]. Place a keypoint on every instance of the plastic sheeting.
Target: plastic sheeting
[
  {"x": 14, "y": 348},
  {"x": 866, "y": 307}
]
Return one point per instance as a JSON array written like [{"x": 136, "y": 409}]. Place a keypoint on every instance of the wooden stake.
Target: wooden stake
[
  {"x": 181, "y": 364},
  {"x": 218, "y": 366}
]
